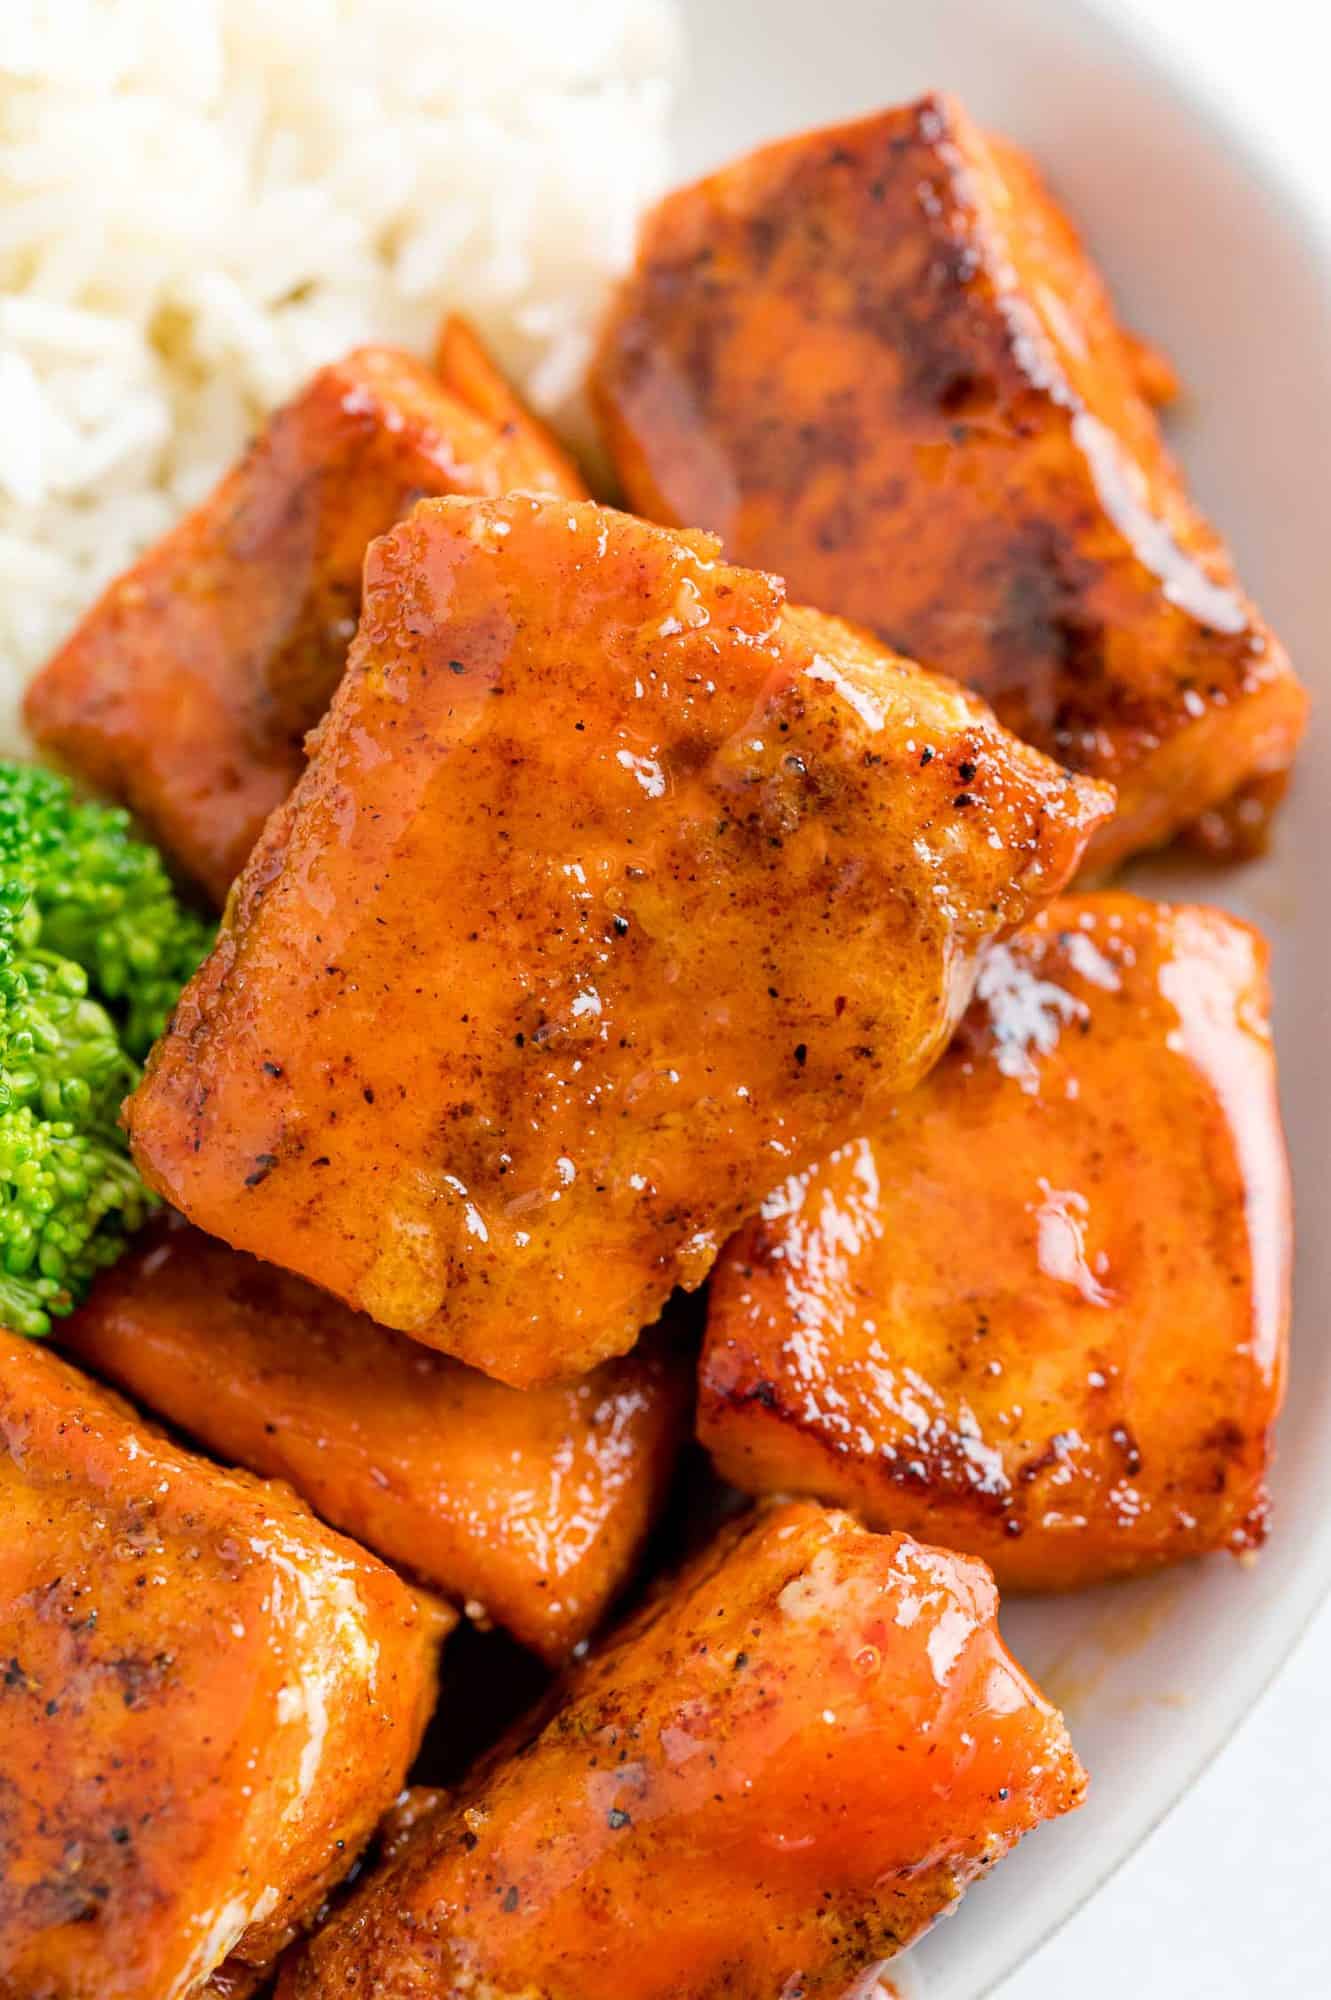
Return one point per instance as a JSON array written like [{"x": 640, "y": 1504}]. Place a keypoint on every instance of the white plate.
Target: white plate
[{"x": 1213, "y": 258}]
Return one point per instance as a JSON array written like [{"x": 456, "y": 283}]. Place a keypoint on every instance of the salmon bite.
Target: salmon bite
[{"x": 615, "y": 885}]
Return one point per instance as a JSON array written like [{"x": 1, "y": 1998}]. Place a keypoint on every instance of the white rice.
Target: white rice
[{"x": 203, "y": 200}]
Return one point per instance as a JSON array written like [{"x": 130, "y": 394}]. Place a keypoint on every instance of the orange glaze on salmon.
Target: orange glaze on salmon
[
  {"x": 1039, "y": 1312},
  {"x": 208, "y": 1700},
  {"x": 615, "y": 887},
  {"x": 878, "y": 360},
  {"x": 776, "y": 1777},
  {"x": 533, "y": 1506},
  {"x": 188, "y": 690}
]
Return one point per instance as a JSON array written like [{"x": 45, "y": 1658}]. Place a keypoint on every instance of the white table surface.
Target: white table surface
[{"x": 1228, "y": 1899}]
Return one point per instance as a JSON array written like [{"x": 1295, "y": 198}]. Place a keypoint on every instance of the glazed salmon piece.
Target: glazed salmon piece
[
  {"x": 530, "y": 457},
  {"x": 615, "y": 887},
  {"x": 188, "y": 690},
  {"x": 209, "y": 1701},
  {"x": 533, "y": 1508},
  {"x": 776, "y": 1777},
  {"x": 878, "y": 360},
  {"x": 1040, "y": 1313}
]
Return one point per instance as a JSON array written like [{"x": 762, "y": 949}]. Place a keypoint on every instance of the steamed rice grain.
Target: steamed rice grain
[{"x": 201, "y": 203}]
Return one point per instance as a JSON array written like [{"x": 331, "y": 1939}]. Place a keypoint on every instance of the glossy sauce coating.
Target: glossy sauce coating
[
  {"x": 878, "y": 360},
  {"x": 208, "y": 1700},
  {"x": 234, "y": 1981},
  {"x": 531, "y": 1507},
  {"x": 188, "y": 689},
  {"x": 614, "y": 888},
  {"x": 772, "y": 1780},
  {"x": 1040, "y": 1314}
]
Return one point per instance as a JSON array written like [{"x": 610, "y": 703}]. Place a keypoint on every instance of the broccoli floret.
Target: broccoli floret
[
  {"x": 91, "y": 892},
  {"x": 62, "y": 1055},
  {"x": 68, "y": 1201},
  {"x": 94, "y": 948}
]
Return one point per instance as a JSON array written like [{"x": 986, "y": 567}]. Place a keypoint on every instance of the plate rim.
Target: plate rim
[{"x": 1165, "y": 69}]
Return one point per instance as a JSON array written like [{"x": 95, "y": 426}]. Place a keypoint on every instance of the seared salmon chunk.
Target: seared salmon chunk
[
  {"x": 616, "y": 888},
  {"x": 1039, "y": 1312},
  {"x": 878, "y": 360},
  {"x": 209, "y": 1701},
  {"x": 771, "y": 1781},
  {"x": 532, "y": 1508},
  {"x": 188, "y": 690}
]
